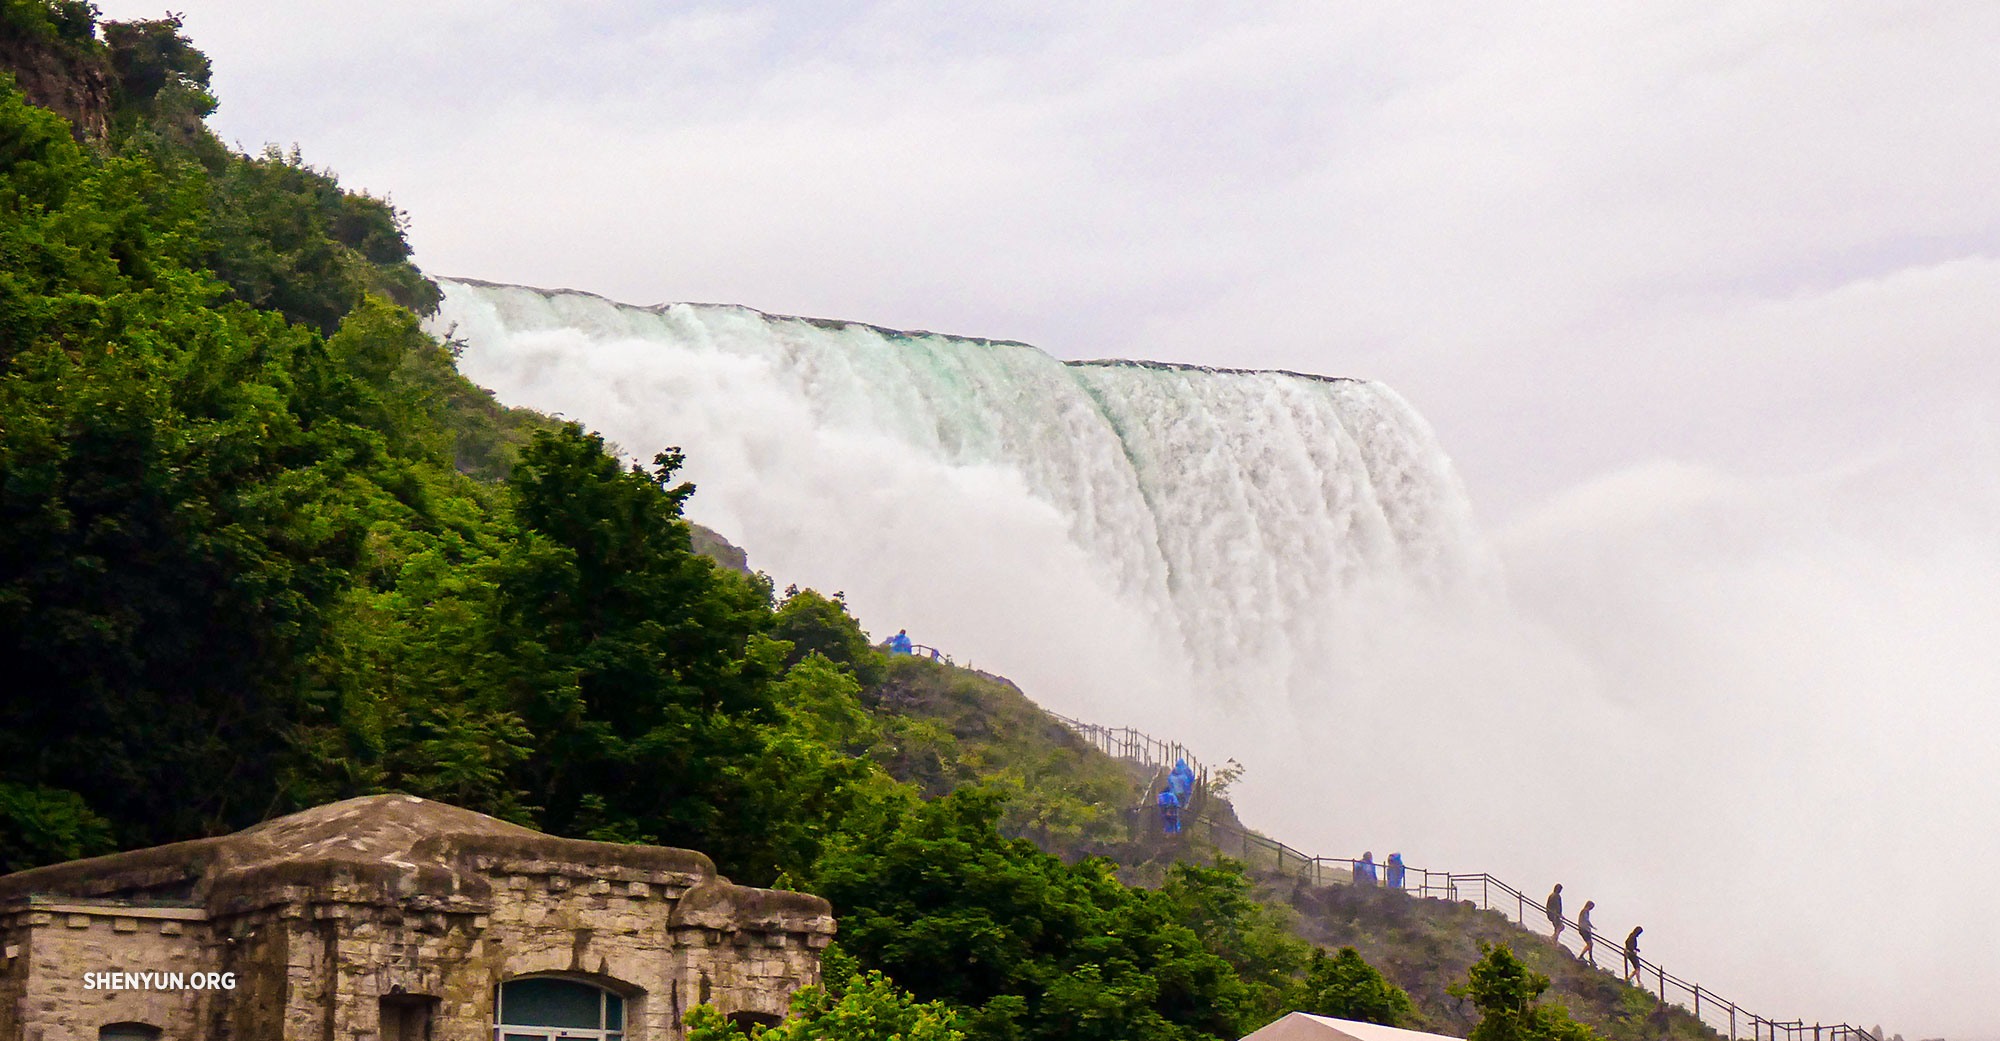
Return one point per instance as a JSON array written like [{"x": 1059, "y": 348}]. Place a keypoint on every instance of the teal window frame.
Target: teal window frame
[{"x": 611, "y": 1015}]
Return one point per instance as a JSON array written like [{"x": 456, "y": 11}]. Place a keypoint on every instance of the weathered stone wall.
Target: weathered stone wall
[
  {"x": 258, "y": 949},
  {"x": 57, "y": 944},
  {"x": 320, "y": 927},
  {"x": 318, "y": 971}
]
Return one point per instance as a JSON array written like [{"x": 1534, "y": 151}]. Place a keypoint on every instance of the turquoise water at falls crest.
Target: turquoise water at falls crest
[{"x": 1201, "y": 526}]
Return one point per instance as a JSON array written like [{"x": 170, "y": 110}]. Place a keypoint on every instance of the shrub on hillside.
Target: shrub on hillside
[
  {"x": 1507, "y": 994},
  {"x": 1346, "y": 987}
]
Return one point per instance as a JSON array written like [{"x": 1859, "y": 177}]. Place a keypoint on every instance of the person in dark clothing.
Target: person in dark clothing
[
  {"x": 1554, "y": 907},
  {"x": 1364, "y": 872},
  {"x": 1588, "y": 932},
  {"x": 1393, "y": 873},
  {"x": 1632, "y": 954}
]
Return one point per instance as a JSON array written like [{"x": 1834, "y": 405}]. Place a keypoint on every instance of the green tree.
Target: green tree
[
  {"x": 821, "y": 701},
  {"x": 161, "y": 76},
  {"x": 639, "y": 667},
  {"x": 205, "y": 512},
  {"x": 1218, "y": 904},
  {"x": 66, "y": 21},
  {"x": 173, "y": 526},
  {"x": 1346, "y": 987},
  {"x": 815, "y": 624},
  {"x": 285, "y": 237},
  {"x": 41, "y": 825},
  {"x": 853, "y": 1006},
  {"x": 1507, "y": 995},
  {"x": 1033, "y": 948}
]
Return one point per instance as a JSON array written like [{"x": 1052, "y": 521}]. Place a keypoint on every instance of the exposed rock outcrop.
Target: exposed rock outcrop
[{"x": 75, "y": 84}]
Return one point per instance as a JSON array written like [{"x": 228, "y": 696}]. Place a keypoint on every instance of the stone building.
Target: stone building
[{"x": 391, "y": 918}]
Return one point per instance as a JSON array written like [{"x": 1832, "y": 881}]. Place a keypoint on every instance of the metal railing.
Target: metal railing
[
  {"x": 1127, "y": 743},
  {"x": 1258, "y": 852},
  {"x": 919, "y": 650}
]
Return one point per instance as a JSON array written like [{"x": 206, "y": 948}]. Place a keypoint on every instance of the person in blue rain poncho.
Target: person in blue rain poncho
[{"x": 1180, "y": 781}]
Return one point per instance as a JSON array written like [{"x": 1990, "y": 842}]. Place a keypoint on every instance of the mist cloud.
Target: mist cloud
[{"x": 1702, "y": 299}]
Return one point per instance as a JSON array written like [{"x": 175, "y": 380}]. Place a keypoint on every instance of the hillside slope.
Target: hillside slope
[{"x": 1075, "y": 800}]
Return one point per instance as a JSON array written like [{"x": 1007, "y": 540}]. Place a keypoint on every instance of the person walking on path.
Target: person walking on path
[
  {"x": 1588, "y": 932},
  {"x": 900, "y": 643},
  {"x": 1632, "y": 954},
  {"x": 1555, "y": 909},
  {"x": 1364, "y": 872},
  {"x": 1393, "y": 873},
  {"x": 1170, "y": 812}
]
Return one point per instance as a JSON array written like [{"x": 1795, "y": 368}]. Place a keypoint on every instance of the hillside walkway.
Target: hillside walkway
[{"x": 1259, "y": 853}]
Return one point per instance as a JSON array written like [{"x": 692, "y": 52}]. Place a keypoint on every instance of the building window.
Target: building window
[
  {"x": 128, "y": 1032},
  {"x": 546, "y": 1008}
]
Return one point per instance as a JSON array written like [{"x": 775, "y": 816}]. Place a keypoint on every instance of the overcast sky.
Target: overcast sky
[
  {"x": 1683, "y": 269},
  {"x": 1576, "y": 235}
]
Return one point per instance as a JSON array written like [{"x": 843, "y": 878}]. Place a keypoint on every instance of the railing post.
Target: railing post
[{"x": 1131, "y": 744}]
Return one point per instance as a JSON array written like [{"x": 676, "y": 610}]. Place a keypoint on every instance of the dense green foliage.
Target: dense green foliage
[
  {"x": 1507, "y": 994},
  {"x": 262, "y": 547},
  {"x": 172, "y": 525},
  {"x": 66, "y": 23},
  {"x": 162, "y": 79},
  {"x": 852, "y": 1006},
  {"x": 815, "y": 624},
  {"x": 287, "y": 238},
  {"x": 1345, "y": 987},
  {"x": 1218, "y": 904},
  {"x": 1035, "y": 947},
  {"x": 41, "y": 822}
]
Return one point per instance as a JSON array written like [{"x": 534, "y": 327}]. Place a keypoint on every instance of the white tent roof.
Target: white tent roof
[{"x": 1300, "y": 1027}]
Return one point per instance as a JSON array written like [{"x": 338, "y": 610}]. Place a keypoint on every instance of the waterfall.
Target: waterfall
[
  {"x": 1283, "y": 569},
  {"x": 1075, "y": 524}
]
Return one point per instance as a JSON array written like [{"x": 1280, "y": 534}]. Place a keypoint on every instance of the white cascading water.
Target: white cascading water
[
  {"x": 1685, "y": 673},
  {"x": 1195, "y": 527}
]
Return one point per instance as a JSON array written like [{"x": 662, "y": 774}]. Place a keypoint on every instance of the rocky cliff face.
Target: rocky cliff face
[
  {"x": 710, "y": 543},
  {"x": 77, "y": 86}
]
